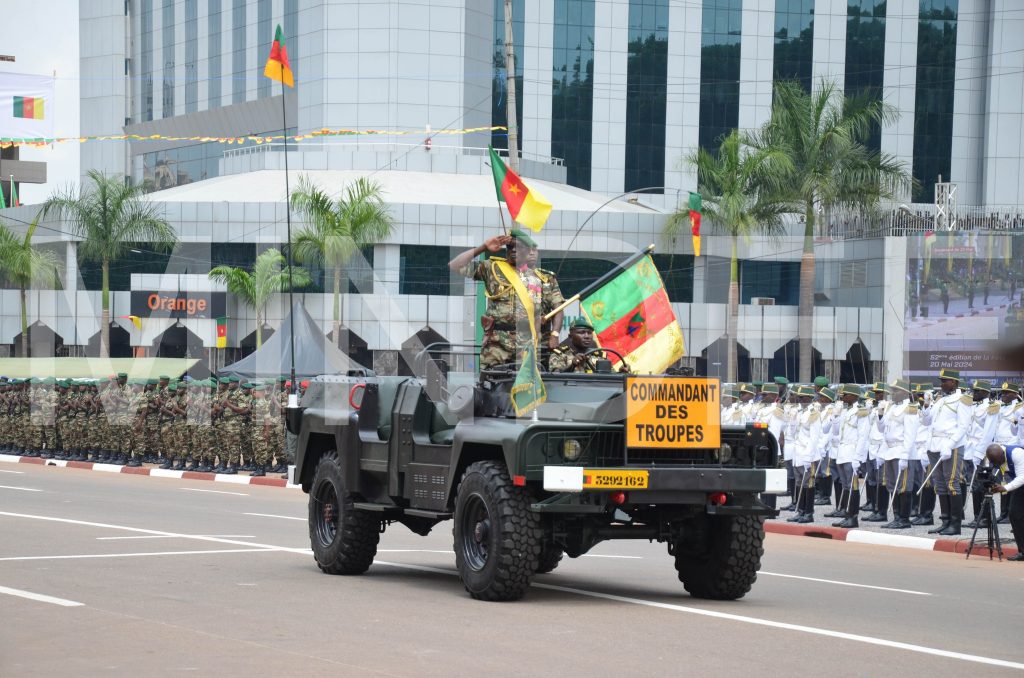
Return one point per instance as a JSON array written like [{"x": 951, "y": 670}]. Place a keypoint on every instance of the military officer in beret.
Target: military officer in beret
[{"x": 572, "y": 356}]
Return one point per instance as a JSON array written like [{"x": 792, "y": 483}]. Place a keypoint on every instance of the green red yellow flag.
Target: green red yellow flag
[
  {"x": 29, "y": 107},
  {"x": 632, "y": 315},
  {"x": 14, "y": 194},
  {"x": 527, "y": 206},
  {"x": 277, "y": 67},
  {"x": 695, "y": 214},
  {"x": 222, "y": 331}
]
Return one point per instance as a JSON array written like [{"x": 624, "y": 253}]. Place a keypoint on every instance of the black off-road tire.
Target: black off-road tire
[
  {"x": 344, "y": 540},
  {"x": 497, "y": 539},
  {"x": 726, "y": 565},
  {"x": 550, "y": 556}
]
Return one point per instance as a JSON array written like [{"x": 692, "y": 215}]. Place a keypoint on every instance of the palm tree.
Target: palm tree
[
  {"x": 741, "y": 196},
  {"x": 338, "y": 228},
  {"x": 824, "y": 134},
  {"x": 23, "y": 265},
  {"x": 269, "y": 276},
  {"x": 111, "y": 219}
]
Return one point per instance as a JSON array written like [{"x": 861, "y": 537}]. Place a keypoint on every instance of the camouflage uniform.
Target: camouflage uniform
[
  {"x": 238, "y": 423},
  {"x": 152, "y": 401},
  {"x": 563, "y": 359},
  {"x": 506, "y": 327},
  {"x": 280, "y": 443},
  {"x": 260, "y": 431},
  {"x": 48, "y": 416}
]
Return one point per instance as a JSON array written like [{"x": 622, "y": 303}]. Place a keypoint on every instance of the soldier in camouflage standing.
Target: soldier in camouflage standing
[
  {"x": 261, "y": 429},
  {"x": 514, "y": 290}
]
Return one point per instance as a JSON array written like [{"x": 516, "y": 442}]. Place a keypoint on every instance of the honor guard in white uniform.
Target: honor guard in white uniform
[
  {"x": 984, "y": 419},
  {"x": 924, "y": 504},
  {"x": 771, "y": 414},
  {"x": 877, "y": 404},
  {"x": 1008, "y": 431},
  {"x": 852, "y": 430},
  {"x": 731, "y": 414},
  {"x": 950, "y": 420},
  {"x": 899, "y": 426},
  {"x": 807, "y": 437},
  {"x": 827, "y": 468},
  {"x": 747, "y": 405},
  {"x": 791, "y": 410}
]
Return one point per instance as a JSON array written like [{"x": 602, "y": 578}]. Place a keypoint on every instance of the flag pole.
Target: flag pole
[{"x": 293, "y": 398}]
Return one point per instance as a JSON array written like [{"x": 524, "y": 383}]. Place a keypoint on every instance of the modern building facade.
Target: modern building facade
[{"x": 612, "y": 96}]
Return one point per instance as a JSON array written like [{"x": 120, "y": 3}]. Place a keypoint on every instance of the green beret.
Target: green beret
[
  {"x": 758, "y": 385},
  {"x": 520, "y": 234},
  {"x": 122, "y": 375},
  {"x": 164, "y": 377},
  {"x": 282, "y": 380},
  {"x": 224, "y": 380},
  {"x": 233, "y": 380},
  {"x": 821, "y": 381},
  {"x": 172, "y": 387},
  {"x": 781, "y": 381},
  {"x": 580, "y": 321},
  {"x": 152, "y": 382}
]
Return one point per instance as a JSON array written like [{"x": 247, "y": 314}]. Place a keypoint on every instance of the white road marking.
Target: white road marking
[
  {"x": 23, "y": 489},
  {"x": 162, "y": 536},
  {"x": 107, "y": 468},
  {"x": 18, "y": 472},
  {"x": 271, "y": 515},
  {"x": 10, "y": 458},
  {"x": 196, "y": 489},
  {"x": 236, "y": 479},
  {"x": 882, "y": 539},
  {"x": 811, "y": 630},
  {"x": 800, "y": 628},
  {"x": 38, "y": 597},
  {"x": 598, "y": 555},
  {"x": 845, "y": 583},
  {"x": 138, "y": 555},
  {"x": 165, "y": 473}
]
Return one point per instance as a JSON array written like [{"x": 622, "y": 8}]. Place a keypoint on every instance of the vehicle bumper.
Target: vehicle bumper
[{"x": 767, "y": 481}]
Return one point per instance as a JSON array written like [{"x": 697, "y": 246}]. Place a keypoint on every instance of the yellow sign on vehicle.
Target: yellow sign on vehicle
[
  {"x": 614, "y": 480},
  {"x": 673, "y": 412}
]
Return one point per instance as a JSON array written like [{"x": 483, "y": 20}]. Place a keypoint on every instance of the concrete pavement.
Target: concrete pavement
[{"x": 174, "y": 575}]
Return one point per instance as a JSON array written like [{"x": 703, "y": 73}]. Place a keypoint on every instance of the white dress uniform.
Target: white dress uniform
[
  {"x": 1007, "y": 427},
  {"x": 950, "y": 420},
  {"x": 851, "y": 431},
  {"x": 984, "y": 420},
  {"x": 899, "y": 426}
]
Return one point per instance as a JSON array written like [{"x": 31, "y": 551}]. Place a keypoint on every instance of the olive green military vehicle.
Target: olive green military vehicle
[{"x": 523, "y": 492}]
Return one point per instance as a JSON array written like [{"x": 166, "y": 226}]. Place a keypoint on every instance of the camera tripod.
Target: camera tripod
[{"x": 987, "y": 513}]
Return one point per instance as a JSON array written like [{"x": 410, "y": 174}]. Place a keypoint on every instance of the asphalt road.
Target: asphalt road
[{"x": 127, "y": 575}]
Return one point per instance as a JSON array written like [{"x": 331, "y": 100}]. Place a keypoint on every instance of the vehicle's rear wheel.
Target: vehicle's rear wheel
[
  {"x": 497, "y": 539},
  {"x": 550, "y": 556},
  {"x": 722, "y": 563},
  {"x": 344, "y": 540}
]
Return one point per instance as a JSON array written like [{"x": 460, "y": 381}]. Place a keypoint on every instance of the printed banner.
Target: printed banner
[{"x": 26, "y": 106}]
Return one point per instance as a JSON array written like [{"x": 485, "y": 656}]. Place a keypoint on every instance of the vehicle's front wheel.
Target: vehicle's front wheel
[
  {"x": 497, "y": 539},
  {"x": 550, "y": 557},
  {"x": 344, "y": 540},
  {"x": 722, "y": 563}
]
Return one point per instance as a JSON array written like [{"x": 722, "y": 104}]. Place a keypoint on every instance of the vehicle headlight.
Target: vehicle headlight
[
  {"x": 571, "y": 449},
  {"x": 725, "y": 453}
]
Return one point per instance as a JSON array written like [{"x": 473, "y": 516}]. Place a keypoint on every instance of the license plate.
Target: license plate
[{"x": 615, "y": 480}]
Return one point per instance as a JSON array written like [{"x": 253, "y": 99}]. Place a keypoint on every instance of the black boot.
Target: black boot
[
  {"x": 926, "y": 507},
  {"x": 823, "y": 486},
  {"x": 851, "y": 515},
  {"x": 807, "y": 510},
  {"x": 871, "y": 491},
  {"x": 900, "y": 513},
  {"x": 168, "y": 463},
  {"x": 881, "y": 513},
  {"x": 956, "y": 515},
  {"x": 943, "y": 514},
  {"x": 258, "y": 470},
  {"x": 840, "y": 510},
  {"x": 230, "y": 469}
]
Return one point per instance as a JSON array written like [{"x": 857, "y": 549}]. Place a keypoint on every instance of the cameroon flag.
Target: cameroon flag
[
  {"x": 528, "y": 207},
  {"x": 277, "y": 67},
  {"x": 632, "y": 315},
  {"x": 222, "y": 331}
]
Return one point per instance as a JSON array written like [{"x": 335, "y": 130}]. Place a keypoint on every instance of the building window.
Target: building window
[
  {"x": 168, "y": 47},
  {"x": 358, "y": 271},
  {"x": 143, "y": 258},
  {"x": 572, "y": 92},
  {"x": 499, "y": 117},
  {"x": 215, "y": 76},
  {"x": 646, "y": 79},
  {"x": 291, "y": 34},
  {"x": 146, "y": 38},
  {"x": 423, "y": 269},
  {"x": 264, "y": 38},
  {"x": 794, "y": 41},
  {"x": 933, "y": 105},
  {"x": 238, "y": 76},
  {"x": 719, "y": 70},
  {"x": 865, "y": 56},
  {"x": 779, "y": 280},
  {"x": 191, "y": 56}
]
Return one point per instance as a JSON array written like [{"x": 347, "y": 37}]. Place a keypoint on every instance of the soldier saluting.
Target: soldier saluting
[{"x": 515, "y": 293}]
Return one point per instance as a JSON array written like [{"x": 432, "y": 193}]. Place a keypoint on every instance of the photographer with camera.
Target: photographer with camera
[{"x": 1010, "y": 460}]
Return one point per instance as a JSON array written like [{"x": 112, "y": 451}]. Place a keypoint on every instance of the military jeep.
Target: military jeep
[{"x": 523, "y": 492}]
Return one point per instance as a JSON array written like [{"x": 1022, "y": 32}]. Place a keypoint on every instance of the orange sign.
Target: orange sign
[{"x": 673, "y": 412}]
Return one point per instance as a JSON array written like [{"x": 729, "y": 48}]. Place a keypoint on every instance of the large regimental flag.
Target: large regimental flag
[
  {"x": 528, "y": 390},
  {"x": 632, "y": 315}
]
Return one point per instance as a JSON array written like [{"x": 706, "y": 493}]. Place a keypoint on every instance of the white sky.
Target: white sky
[{"x": 42, "y": 35}]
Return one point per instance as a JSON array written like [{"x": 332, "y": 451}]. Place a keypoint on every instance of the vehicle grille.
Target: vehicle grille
[{"x": 684, "y": 457}]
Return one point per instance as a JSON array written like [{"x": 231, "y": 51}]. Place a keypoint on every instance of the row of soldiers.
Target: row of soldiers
[
  {"x": 899, "y": 443},
  {"x": 220, "y": 426}
]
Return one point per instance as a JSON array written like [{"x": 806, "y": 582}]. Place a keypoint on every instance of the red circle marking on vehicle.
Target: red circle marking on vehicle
[{"x": 352, "y": 396}]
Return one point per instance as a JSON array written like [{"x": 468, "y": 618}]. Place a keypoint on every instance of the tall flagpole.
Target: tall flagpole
[{"x": 293, "y": 398}]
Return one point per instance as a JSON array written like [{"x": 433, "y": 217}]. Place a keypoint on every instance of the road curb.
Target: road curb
[
  {"x": 147, "y": 471},
  {"x": 884, "y": 539}
]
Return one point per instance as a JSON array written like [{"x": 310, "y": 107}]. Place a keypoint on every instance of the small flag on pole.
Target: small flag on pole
[
  {"x": 14, "y": 194},
  {"x": 222, "y": 331},
  {"x": 527, "y": 206},
  {"x": 695, "y": 214},
  {"x": 277, "y": 67}
]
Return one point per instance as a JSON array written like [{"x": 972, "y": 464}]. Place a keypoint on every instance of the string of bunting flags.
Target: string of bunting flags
[{"x": 255, "y": 139}]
